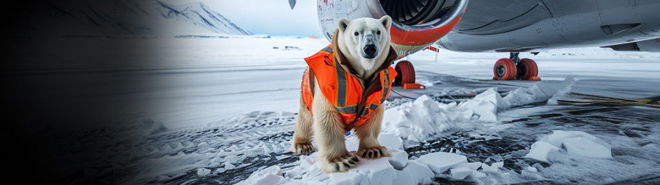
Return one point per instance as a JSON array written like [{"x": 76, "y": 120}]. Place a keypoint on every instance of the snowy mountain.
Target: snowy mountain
[
  {"x": 202, "y": 16},
  {"x": 123, "y": 18}
]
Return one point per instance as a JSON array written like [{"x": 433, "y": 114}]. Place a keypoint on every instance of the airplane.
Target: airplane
[{"x": 512, "y": 26}]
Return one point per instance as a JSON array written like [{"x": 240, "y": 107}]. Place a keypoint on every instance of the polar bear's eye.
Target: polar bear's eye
[
  {"x": 356, "y": 33},
  {"x": 378, "y": 32}
]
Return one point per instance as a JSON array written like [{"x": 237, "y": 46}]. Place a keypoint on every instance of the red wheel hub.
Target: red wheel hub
[{"x": 504, "y": 69}]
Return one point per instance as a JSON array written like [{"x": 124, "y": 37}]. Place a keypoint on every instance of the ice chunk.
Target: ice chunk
[
  {"x": 586, "y": 147},
  {"x": 229, "y": 166},
  {"x": 460, "y": 173},
  {"x": 415, "y": 120},
  {"x": 483, "y": 106},
  {"x": 440, "y": 162},
  {"x": 270, "y": 175},
  {"x": 538, "y": 92},
  {"x": 573, "y": 142},
  {"x": 478, "y": 174},
  {"x": 558, "y": 136},
  {"x": 494, "y": 168},
  {"x": 472, "y": 165},
  {"x": 531, "y": 169},
  {"x": 203, "y": 172},
  {"x": 540, "y": 151},
  {"x": 498, "y": 165},
  {"x": 414, "y": 173},
  {"x": 399, "y": 159}
]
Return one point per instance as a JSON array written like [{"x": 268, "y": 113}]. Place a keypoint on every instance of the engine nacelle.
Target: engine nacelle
[
  {"x": 416, "y": 24},
  {"x": 652, "y": 45}
]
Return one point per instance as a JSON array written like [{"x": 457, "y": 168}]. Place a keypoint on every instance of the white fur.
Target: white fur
[
  {"x": 324, "y": 124},
  {"x": 352, "y": 45}
]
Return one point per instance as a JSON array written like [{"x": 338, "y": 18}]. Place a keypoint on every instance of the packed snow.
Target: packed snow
[{"x": 418, "y": 120}]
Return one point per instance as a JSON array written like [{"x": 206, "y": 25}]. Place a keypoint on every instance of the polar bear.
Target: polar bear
[{"x": 360, "y": 56}]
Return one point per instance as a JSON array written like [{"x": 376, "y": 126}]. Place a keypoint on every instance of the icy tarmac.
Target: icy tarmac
[{"x": 221, "y": 111}]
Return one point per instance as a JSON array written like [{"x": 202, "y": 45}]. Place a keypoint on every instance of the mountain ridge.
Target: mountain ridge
[{"x": 122, "y": 18}]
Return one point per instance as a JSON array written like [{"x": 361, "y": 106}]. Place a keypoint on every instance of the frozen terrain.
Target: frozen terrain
[{"x": 221, "y": 110}]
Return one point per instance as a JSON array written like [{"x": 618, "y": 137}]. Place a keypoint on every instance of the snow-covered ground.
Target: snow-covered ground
[{"x": 221, "y": 110}]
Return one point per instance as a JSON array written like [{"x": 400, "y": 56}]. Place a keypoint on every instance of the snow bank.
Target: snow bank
[
  {"x": 423, "y": 117},
  {"x": 416, "y": 121},
  {"x": 576, "y": 143},
  {"x": 397, "y": 169}
]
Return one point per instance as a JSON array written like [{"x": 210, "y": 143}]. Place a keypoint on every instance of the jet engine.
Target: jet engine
[{"x": 416, "y": 23}]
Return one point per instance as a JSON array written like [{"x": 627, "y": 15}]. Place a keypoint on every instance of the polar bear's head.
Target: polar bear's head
[{"x": 365, "y": 41}]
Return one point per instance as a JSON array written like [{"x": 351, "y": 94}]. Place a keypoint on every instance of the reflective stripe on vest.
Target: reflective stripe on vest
[{"x": 341, "y": 85}]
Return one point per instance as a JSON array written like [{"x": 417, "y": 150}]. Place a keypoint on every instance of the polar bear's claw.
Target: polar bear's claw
[
  {"x": 342, "y": 164},
  {"x": 373, "y": 152},
  {"x": 302, "y": 148}
]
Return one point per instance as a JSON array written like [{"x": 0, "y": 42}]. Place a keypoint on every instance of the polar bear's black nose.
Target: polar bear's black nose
[{"x": 369, "y": 51}]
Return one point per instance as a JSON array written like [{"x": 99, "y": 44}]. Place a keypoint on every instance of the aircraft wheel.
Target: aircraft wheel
[
  {"x": 504, "y": 69},
  {"x": 406, "y": 73},
  {"x": 527, "y": 70}
]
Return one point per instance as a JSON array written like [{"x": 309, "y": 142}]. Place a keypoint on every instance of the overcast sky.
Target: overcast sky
[{"x": 272, "y": 17}]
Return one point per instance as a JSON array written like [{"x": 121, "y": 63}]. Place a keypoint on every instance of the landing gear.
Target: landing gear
[
  {"x": 406, "y": 75},
  {"x": 514, "y": 68}
]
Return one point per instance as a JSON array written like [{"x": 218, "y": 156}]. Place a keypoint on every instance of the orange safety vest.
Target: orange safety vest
[{"x": 343, "y": 88}]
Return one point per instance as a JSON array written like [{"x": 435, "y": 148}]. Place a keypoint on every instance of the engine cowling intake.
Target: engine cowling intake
[{"x": 416, "y": 24}]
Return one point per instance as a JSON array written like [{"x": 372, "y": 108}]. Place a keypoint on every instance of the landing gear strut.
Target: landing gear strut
[{"x": 514, "y": 68}]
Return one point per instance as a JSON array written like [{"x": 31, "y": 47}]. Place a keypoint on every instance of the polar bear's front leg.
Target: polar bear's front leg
[
  {"x": 329, "y": 135},
  {"x": 368, "y": 133},
  {"x": 301, "y": 142},
  {"x": 332, "y": 150}
]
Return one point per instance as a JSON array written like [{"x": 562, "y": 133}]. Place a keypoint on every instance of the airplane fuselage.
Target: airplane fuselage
[{"x": 524, "y": 25}]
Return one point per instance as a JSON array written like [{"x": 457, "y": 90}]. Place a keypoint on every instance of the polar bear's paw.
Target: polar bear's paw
[
  {"x": 340, "y": 164},
  {"x": 373, "y": 152},
  {"x": 302, "y": 148}
]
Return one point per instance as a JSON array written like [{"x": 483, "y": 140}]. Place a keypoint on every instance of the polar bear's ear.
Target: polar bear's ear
[
  {"x": 386, "y": 20},
  {"x": 343, "y": 24}
]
